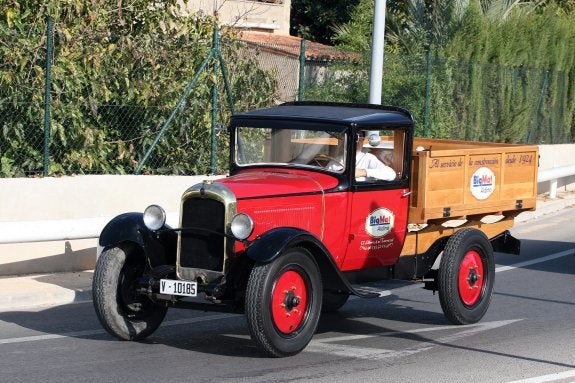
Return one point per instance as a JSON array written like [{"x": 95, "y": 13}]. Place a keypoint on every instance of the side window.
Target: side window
[{"x": 379, "y": 155}]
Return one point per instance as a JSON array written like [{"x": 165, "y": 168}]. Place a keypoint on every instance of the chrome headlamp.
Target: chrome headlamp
[
  {"x": 242, "y": 226},
  {"x": 154, "y": 217}
]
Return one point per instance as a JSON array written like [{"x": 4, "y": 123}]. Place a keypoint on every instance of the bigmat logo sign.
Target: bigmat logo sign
[
  {"x": 482, "y": 183},
  {"x": 379, "y": 222}
]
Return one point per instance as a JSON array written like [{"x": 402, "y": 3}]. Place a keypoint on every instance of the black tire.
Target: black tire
[
  {"x": 123, "y": 313},
  {"x": 283, "y": 303},
  {"x": 466, "y": 275},
  {"x": 332, "y": 302}
]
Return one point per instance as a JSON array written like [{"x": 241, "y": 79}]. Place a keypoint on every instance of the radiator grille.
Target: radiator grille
[{"x": 202, "y": 246}]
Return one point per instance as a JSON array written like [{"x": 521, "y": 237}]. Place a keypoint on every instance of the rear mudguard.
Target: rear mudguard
[
  {"x": 273, "y": 243},
  {"x": 506, "y": 243},
  {"x": 159, "y": 247}
]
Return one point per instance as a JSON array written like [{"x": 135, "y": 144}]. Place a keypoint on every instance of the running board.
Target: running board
[
  {"x": 367, "y": 291},
  {"x": 381, "y": 288}
]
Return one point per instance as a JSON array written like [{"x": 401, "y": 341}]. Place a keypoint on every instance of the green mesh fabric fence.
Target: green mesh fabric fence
[
  {"x": 463, "y": 101},
  {"x": 105, "y": 120}
]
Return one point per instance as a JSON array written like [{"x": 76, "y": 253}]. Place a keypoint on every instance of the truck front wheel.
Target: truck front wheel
[
  {"x": 466, "y": 274},
  {"x": 123, "y": 312},
  {"x": 283, "y": 302}
]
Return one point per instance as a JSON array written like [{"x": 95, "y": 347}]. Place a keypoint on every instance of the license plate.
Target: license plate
[{"x": 182, "y": 288}]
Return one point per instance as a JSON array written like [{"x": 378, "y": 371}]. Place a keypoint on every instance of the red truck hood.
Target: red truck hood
[{"x": 267, "y": 183}]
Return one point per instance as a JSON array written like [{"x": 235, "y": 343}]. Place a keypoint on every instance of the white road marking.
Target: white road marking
[
  {"x": 326, "y": 346},
  {"x": 100, "y": 331},
  {"x": 535, "y": 261},
  {"x": 51, "y": 336},
  {"x": 548, "y": 378}
]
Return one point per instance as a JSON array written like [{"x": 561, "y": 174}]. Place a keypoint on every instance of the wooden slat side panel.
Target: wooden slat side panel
[
  {"x": 445, "y": 181},
  {"x": 517, "y": 191},
  {"x": 465, "y": 210},
  {"x": 413, "y": 201},
  {"x": 452, "y": 150},
  {"x": 419, "y": 242},
  {"x": 520, "y": 173},
  {"x": 441, "y": 144},
  {"x": 418, "y": 188},
  {"x": 479, "y": 178}
]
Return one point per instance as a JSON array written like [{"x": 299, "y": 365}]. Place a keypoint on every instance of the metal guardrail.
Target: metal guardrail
[
  {"x": 59, "y": 230},
  {"x": 553, "y": 175},
  {"x": 86, "y": 228}
]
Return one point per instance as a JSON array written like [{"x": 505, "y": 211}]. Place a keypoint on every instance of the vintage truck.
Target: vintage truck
[{"x": 292, "y": 232}]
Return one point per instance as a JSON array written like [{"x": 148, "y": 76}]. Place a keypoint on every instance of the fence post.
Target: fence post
[
  {"x": 301, "y": 84},
  {"x": 216, "y": 48},
  {"x": 47, "y": 96},
  {"x": 539, "y": 103},
  {"x": 227, "y": 84},
  {"x": 427, "y": 94}
]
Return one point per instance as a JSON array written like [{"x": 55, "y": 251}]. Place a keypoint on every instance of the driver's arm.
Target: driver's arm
[
  {"x": 385, "y": 173},
  {"x": 370, "y": 166}
]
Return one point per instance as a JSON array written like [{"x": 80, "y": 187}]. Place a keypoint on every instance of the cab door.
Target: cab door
[
  {"x": 378, "y": 226},
  {"x": 379, "y": 210}
]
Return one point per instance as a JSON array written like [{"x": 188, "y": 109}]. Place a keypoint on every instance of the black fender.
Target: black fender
[
  {"x": 159, "y": 247},
  {"x": 273, "y": 243},
  {"x": 506, "y": 243}
]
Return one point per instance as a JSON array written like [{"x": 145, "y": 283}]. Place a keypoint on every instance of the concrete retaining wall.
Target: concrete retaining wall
[{"x": 36, "y": 205}]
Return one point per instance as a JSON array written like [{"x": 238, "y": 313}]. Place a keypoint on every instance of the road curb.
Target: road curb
[
  {"x": 546, "y": 206},
  {"x": 21, "y": 292}
]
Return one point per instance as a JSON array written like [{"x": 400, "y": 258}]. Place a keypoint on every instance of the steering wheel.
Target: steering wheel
[{"x": 323, "y": 160}]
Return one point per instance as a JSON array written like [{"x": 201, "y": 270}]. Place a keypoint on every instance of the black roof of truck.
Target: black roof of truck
[{"x": 361, "y": 116}]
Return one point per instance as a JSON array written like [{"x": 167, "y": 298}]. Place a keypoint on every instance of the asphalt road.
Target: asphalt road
[{"x": 527, "y": 335}]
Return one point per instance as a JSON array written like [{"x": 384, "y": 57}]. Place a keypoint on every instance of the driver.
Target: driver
[{"x": 369, "y": 166}]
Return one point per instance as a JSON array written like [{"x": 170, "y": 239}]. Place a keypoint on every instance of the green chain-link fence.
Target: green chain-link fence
[
  {"x": 464, "y": 101},
  {"x": 95, "y": 133}
]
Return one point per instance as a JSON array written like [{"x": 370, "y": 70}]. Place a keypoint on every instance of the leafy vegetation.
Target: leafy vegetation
[
  {"x": 118, "y": 70},
  {"x": 316, "y": 20},
  {"x": 498, "y": 72},
  {"x": 495, "y": 71}
]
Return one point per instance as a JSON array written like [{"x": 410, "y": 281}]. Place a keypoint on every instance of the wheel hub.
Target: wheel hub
[
  {"x": 473, "y": 277},
  {"x": 291, "y": 300}
]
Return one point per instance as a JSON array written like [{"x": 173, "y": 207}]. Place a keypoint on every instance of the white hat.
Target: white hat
[{"x": 373, "y": 138}]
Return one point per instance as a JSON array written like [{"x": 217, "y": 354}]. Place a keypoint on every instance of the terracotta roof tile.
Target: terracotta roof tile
[{"x": 290, "y": 46}]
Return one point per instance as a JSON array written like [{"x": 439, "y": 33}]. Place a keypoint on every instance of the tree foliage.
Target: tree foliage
[
  {"x": 530, "y": 90},
  {"x": 315, "y": 20},
  {"x": 410, "y": 26},
  {"x": 118, "y": 69},
  {"x": 508, "y": 78}
]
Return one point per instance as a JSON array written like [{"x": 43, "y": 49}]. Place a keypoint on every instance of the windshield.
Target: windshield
[{"x": 291, "y": 147}]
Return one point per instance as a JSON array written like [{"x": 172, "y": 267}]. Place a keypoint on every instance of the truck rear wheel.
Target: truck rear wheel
[
  {"x": 466, "y": 274},
  {"x": 283, "y": 303},
  {"x": 121, "y": 311}
]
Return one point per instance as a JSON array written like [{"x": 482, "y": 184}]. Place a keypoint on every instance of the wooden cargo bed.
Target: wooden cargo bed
[{"x": 463, "y": 179}]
